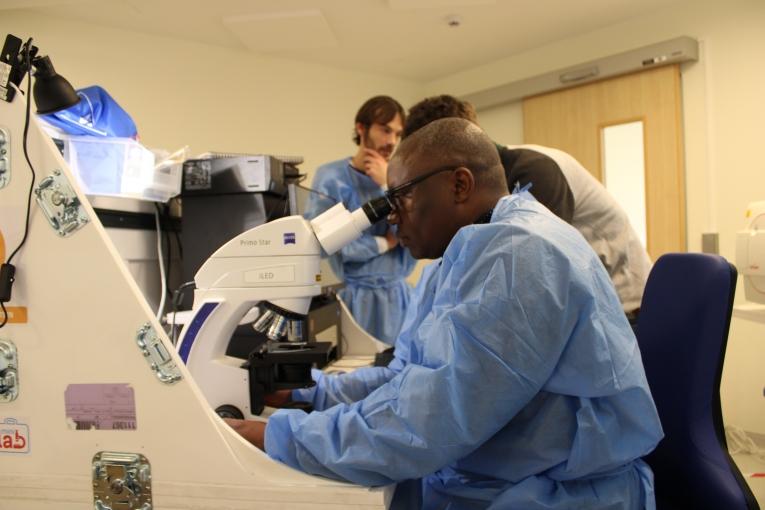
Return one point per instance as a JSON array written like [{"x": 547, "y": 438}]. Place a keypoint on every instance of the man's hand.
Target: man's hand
[
  {"x": 375, "y": 166},
  {"x": 390, "y": 236},
  {"x": 279, "y": 398},
  {"x": 252, "y": 431}
]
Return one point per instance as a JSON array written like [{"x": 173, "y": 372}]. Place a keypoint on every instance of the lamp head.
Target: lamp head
[{"x": 52, "y": 91}]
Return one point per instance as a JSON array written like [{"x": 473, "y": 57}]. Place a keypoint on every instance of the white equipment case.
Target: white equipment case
[{"x": 97, "y": 410}]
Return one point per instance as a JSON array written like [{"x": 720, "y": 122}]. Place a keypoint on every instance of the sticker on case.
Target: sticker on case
[{"x": 100, "y": 407}]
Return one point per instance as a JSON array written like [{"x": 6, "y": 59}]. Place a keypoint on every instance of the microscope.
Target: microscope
[{"x": 274, "y": 267}]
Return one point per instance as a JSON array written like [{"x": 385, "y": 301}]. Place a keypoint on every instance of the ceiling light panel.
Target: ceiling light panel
[
  {"x": 28, "y": 4},
  {"x": 406, "y": 5},
  {"x": 279, "y": 31}
]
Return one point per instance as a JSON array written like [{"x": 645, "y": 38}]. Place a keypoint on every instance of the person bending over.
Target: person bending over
[{"x": 565, "y": 187}]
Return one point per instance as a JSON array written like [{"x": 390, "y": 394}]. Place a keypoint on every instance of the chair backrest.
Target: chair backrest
[{"x": 682, "y": 332}]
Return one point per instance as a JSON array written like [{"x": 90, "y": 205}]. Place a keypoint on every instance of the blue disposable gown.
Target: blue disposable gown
[
  {"x": 517, "y": 383},
  {"x": 375, "y": 289},
  {"x": 97, "y": 114}
]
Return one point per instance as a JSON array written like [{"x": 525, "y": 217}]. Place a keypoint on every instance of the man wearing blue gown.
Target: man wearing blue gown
[
  {"x": 373, "y": 267},
  {"x": 517, "y": 382}
]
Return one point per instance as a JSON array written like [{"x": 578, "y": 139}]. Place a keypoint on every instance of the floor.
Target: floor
[{"x": 753, "y": 470}]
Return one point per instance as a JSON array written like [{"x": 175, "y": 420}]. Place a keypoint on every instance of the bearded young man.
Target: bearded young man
[{"x": 375, "y": 266}]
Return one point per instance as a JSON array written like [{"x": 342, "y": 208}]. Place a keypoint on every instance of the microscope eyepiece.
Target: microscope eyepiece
[
  {"x": 377, "y": 209},
  {"x": 337, "y": 227}
]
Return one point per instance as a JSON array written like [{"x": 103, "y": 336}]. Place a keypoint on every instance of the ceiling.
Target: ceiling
[{"x": 420, "y": 40}]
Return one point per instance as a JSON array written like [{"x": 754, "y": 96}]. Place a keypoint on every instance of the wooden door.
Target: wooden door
[{"x": 573, "y": 120}]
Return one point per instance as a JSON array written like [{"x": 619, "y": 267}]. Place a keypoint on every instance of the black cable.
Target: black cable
[
  {"x": 169, "y": 255},
  {"x": 177, "y": 234},
  {"x": 300, "y": 179},
  {"x": 28, "y": 63},
  {"x": 178, "y": 243},
  {"x": 26, "y": 152},
  {"x": 5, "y": 315},
  {"x": 176, "y": 301},
  {"x": 317, "y": 192},
  {"x": 286, "y": 208}
]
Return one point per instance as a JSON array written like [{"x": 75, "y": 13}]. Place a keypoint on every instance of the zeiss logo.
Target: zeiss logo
[{"x": 289, "y": 238}]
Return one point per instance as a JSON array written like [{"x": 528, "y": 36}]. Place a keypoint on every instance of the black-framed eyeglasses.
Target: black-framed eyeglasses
[{"x": 394, "y": 195}]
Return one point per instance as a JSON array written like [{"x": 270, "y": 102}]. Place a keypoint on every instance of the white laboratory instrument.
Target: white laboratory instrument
[
  {"x": 275, "y": 266},
  {"x": 750, "y": 253},
  {"x": 97, "y": 410}
]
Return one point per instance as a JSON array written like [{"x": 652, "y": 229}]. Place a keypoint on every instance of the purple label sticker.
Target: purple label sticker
[
  {"x": 14, "y": 436},
  {"x": 100, "y": 407}
]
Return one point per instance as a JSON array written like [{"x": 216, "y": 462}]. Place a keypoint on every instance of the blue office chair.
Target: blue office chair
[{"x": 682, "y": 332}]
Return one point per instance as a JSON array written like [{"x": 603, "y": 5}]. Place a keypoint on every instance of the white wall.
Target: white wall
[
  {"x": 212, "y": 98},
  {"x": 504, "y": 124},
  {"x": 724, "y": 110}
]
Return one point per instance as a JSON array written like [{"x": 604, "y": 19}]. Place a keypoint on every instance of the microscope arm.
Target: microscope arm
[{"x": 276, "y": 265}]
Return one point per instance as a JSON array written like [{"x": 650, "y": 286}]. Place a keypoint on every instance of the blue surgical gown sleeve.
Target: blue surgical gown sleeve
[
  {"x": 486, "y": 319},
  {"x": 360, "y": 250},
  {"x": 333, "y": 389}
]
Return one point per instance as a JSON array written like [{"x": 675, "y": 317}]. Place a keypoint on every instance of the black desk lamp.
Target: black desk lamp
[{"x": 52, "y": 92}]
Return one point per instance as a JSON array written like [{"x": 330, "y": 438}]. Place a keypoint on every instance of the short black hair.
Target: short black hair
[
  {"x": 437, "y": 107},
  {"x": 377, "y": 110},
  {"x": 458, "y": 142}
]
